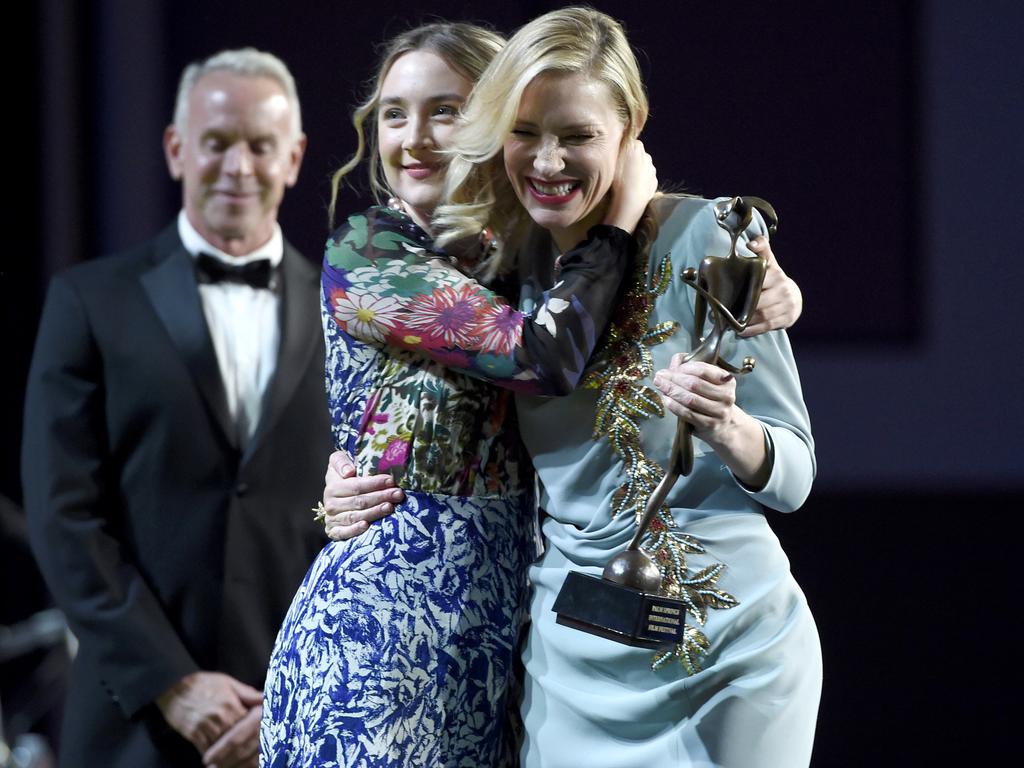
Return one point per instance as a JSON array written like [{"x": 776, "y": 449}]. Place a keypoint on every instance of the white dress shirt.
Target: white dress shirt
[{"x": 244, "y": 327}]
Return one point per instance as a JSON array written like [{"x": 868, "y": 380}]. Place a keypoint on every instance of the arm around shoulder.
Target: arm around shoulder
[{"x": 384, "y": 285}]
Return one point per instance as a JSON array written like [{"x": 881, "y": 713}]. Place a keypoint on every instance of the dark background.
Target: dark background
[{"x": 889, "y": 137}]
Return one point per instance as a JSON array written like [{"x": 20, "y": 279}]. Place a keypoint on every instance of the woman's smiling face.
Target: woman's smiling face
[
  {"x": 563, "y": 152},
  {"x": 420, "y": 99}
]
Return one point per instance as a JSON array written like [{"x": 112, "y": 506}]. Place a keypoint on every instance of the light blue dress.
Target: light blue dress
[{"x": 744, "y": 690}]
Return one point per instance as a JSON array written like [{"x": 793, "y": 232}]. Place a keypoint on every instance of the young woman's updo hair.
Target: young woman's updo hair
[
  {"x": 466, "y": 48},
  {"x": 575, "y": 40}
]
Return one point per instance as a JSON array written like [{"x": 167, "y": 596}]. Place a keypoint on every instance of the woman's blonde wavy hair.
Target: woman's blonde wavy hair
[
  {"x": 478, "y": 194},
  {"x": 466, "y": 48}
]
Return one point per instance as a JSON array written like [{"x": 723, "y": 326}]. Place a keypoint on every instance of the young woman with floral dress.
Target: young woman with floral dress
[{"x": 399, "y": 646}]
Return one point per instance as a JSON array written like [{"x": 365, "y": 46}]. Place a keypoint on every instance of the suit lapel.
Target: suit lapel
[
  {"x": 301, "y": 333},
  {"x": 171, "y": 288}
]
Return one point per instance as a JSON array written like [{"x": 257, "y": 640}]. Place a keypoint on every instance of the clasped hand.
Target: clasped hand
[{"x": 219, "y": 715}]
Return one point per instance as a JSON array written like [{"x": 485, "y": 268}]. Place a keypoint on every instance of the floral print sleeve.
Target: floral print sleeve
[{"x": 385, "y": 285}]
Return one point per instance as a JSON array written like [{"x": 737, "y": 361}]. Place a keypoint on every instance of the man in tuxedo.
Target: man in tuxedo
[{"x": 175, "y": 430}]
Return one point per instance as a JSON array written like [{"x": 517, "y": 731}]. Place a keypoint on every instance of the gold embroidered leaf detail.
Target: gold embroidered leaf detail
[
  {"x": 705, "y": 577},
  {"x": 699, "y": 593},
  {"x": 716, "y": 598},
  {"x": 624, "y": 402},
  {"x": 620, "y": 406},
  {"x": 688, "y": 543},
  {"x": 662, "y": 276},
  {"x": 660, "y": 333},
  {"x": 694, "y": 645}
]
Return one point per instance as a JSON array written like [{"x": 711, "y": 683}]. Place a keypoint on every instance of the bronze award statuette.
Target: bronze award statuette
[{"x": 626, "y": 604}]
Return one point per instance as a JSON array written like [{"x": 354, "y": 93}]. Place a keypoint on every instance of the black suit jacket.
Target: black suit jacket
[{"x": 169, "y": 548}]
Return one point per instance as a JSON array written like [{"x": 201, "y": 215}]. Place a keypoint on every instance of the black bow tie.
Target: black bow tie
[{"x": 210, "y": 269}]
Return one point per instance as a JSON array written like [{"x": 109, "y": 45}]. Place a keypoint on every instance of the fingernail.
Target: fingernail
[
  {"x": 727, "y": 377},
  {"x": 659, "y": 381}
]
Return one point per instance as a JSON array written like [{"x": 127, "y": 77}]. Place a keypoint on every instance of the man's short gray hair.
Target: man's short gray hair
[{"x": 246, "y": 62}]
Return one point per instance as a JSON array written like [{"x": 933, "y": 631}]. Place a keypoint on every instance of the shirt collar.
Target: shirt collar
[{"x": 195, "y": 244}]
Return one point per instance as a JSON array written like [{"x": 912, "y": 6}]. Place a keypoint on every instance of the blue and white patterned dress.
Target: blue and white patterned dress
[{"x": 399, "y": 646}]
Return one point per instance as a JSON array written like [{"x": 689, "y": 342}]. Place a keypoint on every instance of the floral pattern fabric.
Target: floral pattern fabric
[
  {"x": 398, "y": 647},
  {"x": 383, "y": 284},
  {"x": 429, "y": 418}
]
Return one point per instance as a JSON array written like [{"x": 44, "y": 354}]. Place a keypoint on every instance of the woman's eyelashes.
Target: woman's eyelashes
[
  {"x": 525, "y": 134},
  {"x": 444, "y": 112}
]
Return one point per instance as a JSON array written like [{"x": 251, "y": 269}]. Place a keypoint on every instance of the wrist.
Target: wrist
[
  {"x": 622, "y": 220},
  {"x": 166, "y": 699},
  {"x": 741, "y": 445},
  {"x": 727, "y": 435}
]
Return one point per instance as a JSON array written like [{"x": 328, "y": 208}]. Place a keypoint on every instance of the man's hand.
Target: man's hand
[
  {"x": 204, "y": 705},
  {"x": 239, "y": 747}
]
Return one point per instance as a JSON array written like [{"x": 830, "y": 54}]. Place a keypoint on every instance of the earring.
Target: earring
[{"x": 488, "y": 242}]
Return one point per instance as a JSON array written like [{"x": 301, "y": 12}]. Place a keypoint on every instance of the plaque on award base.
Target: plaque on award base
[{"x": 616, "y": 612}]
